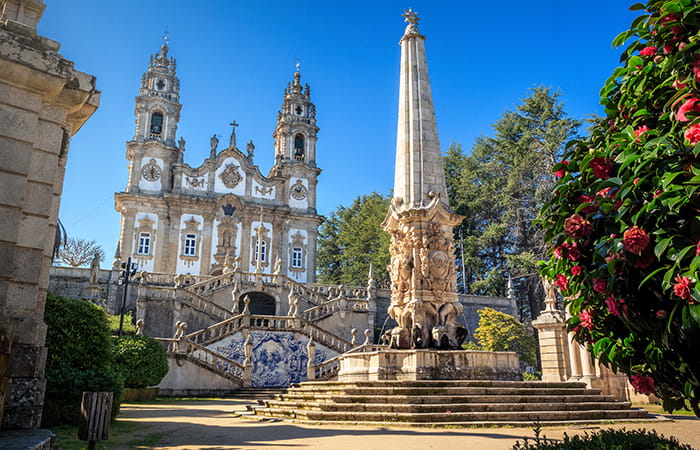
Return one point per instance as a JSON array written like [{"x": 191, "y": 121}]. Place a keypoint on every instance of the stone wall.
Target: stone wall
[{"x": 43, "y": 102}]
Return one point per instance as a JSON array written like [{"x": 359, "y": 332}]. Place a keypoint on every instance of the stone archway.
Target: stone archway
[{"x": 260, "y": 303}]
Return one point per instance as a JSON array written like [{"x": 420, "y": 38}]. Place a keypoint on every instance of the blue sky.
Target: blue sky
[{"x": 234, "y": 59}]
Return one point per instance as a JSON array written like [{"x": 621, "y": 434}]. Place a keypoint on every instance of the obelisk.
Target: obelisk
[{"x": 424, "y": 300}]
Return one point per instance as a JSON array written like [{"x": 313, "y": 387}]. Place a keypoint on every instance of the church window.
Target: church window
[
  {"x": 299, "y": 147},
  {"x": 160, "y": 84},
  {"x": 297, "y": 258},
  {"x": 262, "y": 245},
  {"x": 190, "y": 245},
  {"x": 156, "y": 124},
  {"x": 144, "y": 244}
]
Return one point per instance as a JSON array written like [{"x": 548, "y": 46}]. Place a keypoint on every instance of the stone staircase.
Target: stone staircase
[
  {"x": 257, "y": 393},
  {"x": 448, "y": 403}
]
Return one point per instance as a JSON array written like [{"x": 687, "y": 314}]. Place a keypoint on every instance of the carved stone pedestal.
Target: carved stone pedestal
[{"x": 429, "y": 364}]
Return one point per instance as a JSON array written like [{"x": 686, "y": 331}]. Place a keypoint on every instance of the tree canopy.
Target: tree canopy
[
  {"x": 500, "y": 187},
  {"x": 76, "y": 252},
  {"x": 351, "y": 239}
]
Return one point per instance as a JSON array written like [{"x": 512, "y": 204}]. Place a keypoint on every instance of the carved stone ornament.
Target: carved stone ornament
[
  {"x": 195, "y": 183},
  {"x": 230, "y": 176},
  {"x": 262, "y": 190},
  {"x": 298, "y": 191}
]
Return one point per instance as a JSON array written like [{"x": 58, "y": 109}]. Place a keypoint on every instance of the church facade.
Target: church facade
[{"x": 224, "y": 214}]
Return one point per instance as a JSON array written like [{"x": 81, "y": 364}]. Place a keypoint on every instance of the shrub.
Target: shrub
[
  {"x": 623, "y": 223},
  {"x": 502, "y": 332},
  {"x": 78, "y": 360},
  {"x": 607, "y": 440},
  {"x": 141, "y": 360}
]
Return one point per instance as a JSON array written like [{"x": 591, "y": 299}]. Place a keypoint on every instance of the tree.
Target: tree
[
  {"x": 351, "y": 239},
  {"x": 78, "y": 252},
  {"x": 500, "y": 188},
  {"x": 500, "y": 332},
  {"x": 624, "y": 223}
]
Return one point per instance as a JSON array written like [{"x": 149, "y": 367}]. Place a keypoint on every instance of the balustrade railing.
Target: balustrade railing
[{"x": 204, "y": 356}]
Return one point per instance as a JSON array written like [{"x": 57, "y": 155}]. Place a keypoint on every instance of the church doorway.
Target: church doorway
[{"x": 260, "y": 303}]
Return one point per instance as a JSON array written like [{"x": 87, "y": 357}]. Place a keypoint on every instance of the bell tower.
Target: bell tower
[
  {"x": 152, "y": 149},
  {"x": 295, "y": 133}
]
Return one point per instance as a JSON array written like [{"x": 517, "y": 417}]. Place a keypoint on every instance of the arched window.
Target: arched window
[
  {"x": 299, "y": 147},
  {"x": 156, "y": 124}
]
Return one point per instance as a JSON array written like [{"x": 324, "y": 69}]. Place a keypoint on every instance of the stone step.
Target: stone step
[
  {"x": 257, "y": 393},
  {"x": 439, "y": 408},
  {"x": 372, "y": 391},
  {"x": 450, "y": 417},
  {"x": 438, "y": 383}
]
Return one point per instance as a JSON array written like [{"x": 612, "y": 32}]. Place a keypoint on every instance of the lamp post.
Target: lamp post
[{"x": 128, "y": 270}]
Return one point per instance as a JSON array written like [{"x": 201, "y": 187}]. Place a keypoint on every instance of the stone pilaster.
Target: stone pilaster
[
  {"x": 551, "y": 331},
  {"x": 43, "y": 102}
]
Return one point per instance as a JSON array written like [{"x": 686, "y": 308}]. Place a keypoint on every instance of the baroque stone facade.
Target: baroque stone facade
[
  {"x": 43, "y": 102},
  {"x": 224, "y": 214}
]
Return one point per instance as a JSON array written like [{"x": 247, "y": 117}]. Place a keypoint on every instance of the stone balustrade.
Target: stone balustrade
[{"x": 204, "y": 356}]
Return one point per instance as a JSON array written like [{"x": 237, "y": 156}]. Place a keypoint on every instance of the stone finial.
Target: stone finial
[
  {"x": 246, "y": 305},
  {"x": 410, "y": 16},
  {"x": 353, "y": 341},
  {"x": 368, "y": 335}
]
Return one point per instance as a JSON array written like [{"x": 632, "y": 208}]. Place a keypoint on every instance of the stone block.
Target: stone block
[
  {"x": 33, "y": 232},
  {"x": 17, "y": 123},
  {"x": 38, "y": 198},
  {"x": 27, "y": 361},
  {"x": 49, "y": 137},
  {"x": 42, "y": 166},
  {"x": 9, "y": 223},
  {"x": 15, "y": 156},
  {"x": 18, "y": 98},
  {"x": 22, "y": 298},
  {"x": 12, "y": 187},
  {"x": 7, "y": 256},
  {"x": 28, "y": 264}
]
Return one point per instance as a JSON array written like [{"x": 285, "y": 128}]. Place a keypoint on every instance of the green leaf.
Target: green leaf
[
  {"x": 695, "y": 312},
  {"x": 671, "y": 7},
  {"x": 637, "y": 7},
  {"x": 661, "y": 246}
]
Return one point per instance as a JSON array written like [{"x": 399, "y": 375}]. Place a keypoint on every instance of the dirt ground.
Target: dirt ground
[{"x": 225, "y": 424}]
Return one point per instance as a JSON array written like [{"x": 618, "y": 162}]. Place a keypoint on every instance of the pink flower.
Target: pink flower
[
  {"x": 635, "y": 240},
  {"x": 613, "y": 305},
  {"x": 697, "y": 249},
  {"x": 573, "y": 252},
  {"x": 586, "y": 319},
  {"x": 561, "y": 172},
  {"x": 682, "y": 287},
  {"x": 639, "y": 131},
  {"x": 657, "y": 193},
  {"x": 576, "y": 270},
  {"x": 668, "y": 49},
  {"x": 679, "y": 85},
  {"x": 600, "y": 285},
  {"x": 642, "y": 384},
  {"x": 608, "y": 192},
  {"x": 587, "y": 199},
  {"x": 661, "y": 314},
  {"x": 647, "y": 51},
  {"x": 636, "y": 181},
  {"x": 561, "y": 282},
  {"x": 601, "y": 167},
  {"x": 690, "y": 105},
  {"x": 693, "y": 134},
  {"x": 577, "y": 227}
]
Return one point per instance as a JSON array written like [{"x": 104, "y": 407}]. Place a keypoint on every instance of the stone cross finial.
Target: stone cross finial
[{"x": 232, "y": 141}]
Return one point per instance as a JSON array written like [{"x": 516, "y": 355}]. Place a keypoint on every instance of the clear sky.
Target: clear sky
[{"x": 234, "y": 59}]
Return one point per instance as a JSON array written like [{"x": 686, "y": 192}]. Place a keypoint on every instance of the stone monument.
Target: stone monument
[{"x": 424, "y": 299}]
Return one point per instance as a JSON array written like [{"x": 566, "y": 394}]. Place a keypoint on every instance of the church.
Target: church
[{"x": 205, "y": 220}]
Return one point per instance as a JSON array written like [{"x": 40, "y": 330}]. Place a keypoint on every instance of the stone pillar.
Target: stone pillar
[
  {"x": 43, "y": 102},
  {"x": 311, "y": 354},
  {"x": 551, "y": 330},
  {"x": 248, "y": 361},
  {"x": 575, "y": 372}
]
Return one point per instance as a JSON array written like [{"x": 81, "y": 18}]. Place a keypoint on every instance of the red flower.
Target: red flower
[
  {"x": 636, "y": 181},
  {"x": 576, "y": 270},
  {"x": 635, "y": 240},
  {"x": 573, "y": 252},
  {"x": 642, "y": 384},
  {"x": 690, "y": 105},
  {"x": 682, "y": 287},
  {"x": 613, "y": 305},
  {"x": 561, "y": 172},
  {"x": 601, "y": 167},
  {"x": 661, "y": 314},
  {"x": 679, "y": 85},
  {"x": 587, "y": 199},
  {"x": 600, "y": 285},
  {"x": 668, "y": 49},
  {"x": 647, "y": 51},
  {"x": 586, "y": 319},
  {"x": 693, "y": 134},
  {"x": 608, "y": 192},
  {"x": 577, "y": 227},
  {"x": 561, "y": 282},
  {"x": 697, "y": 249}
]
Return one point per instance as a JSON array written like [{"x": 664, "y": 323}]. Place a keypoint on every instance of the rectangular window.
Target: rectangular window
[
  {"x": 296, "y": 258},
  {"x": 144, "y": 244},
  {"x": 263, "y": 250},
  {"x": 190, "y": 245}
]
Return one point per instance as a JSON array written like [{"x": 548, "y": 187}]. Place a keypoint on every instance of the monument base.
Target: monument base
[{"x": 429, "y": 364}]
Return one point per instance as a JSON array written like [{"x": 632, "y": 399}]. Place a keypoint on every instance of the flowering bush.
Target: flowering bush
[{"x": 624, "y": 222}]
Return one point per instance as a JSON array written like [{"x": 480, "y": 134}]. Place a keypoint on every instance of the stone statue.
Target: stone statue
[
  {"x": 278, "y": 267},
  {"x": 250, "y": 148},
  {"x": 139, "y": 327},
  {"x": 95, "y": 268},
  {"x": 293, "y": 299},
  {"x": 214, "y": 142}
]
